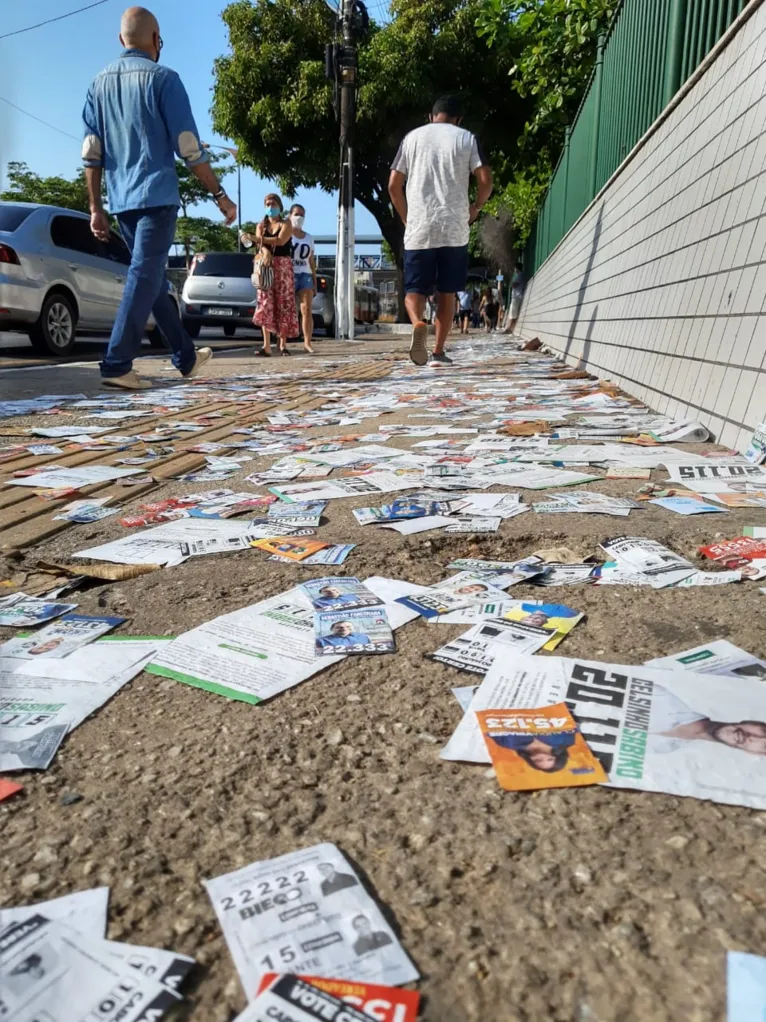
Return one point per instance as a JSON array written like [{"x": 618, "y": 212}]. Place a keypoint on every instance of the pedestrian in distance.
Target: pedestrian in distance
[
  {"x": 137, "y": 118},
  {"x": 465, "y": 301},
  {"x": 305, "y": 270},
  {"x": 428, "y": 185},
  {"x": 489, "y": 309},
  {"x": 276, "y": 312},
  {"x": 517, "y": 296}
]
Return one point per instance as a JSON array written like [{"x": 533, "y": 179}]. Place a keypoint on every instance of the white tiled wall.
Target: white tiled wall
[{"x": 661, "y": 286}]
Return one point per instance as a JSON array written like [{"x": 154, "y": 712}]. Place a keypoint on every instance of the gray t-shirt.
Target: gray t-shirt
[{"x": 437, "y": 160}]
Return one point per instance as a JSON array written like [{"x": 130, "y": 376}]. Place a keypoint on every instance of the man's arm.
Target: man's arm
[
  {"x": 483, "y": 177},
  {"x": 179, "y": 120},
  {"x": 93, "y": 158},
  {"x": 396, "y": 183}
]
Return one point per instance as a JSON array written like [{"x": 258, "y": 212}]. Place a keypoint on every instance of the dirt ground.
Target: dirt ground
[{"x": 590, "y": 905}]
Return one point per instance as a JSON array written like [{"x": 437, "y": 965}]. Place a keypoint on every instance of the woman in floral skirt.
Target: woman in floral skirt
[{"x": 276, "y": 312}]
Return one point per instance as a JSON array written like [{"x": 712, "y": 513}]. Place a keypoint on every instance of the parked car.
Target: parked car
[
  {"x": 366, "y": 304},
  {"x": 56, "y": 277},
  {"x": 219, "y": 292}
]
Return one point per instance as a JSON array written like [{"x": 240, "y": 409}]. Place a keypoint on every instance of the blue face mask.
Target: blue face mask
[{"x": 272, "y": 211}]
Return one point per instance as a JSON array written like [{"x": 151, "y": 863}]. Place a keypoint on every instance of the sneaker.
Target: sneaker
[
  {"x": 130, "y": 381},
  {"x": 439, "y": 358},
  {"x": 203, "y": 357},
  {"x": 418, "y": 349}
]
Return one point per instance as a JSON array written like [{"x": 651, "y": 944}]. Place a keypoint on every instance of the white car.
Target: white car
[{"x": 56, "y": 277}]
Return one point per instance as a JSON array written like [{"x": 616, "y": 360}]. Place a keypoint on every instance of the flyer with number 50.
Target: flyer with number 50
[{"x": 306, "y": 912}]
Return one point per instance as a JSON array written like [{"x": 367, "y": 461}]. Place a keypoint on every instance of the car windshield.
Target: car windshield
[
  {"x": 12, "y": 217},
  {"x": 223, "y": 264}
]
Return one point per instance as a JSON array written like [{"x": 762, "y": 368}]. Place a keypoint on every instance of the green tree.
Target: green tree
[
  {"x": 272, "y": 98},
  {"x": 198, "y": 233},
  {"x": 26, "y": 186}
]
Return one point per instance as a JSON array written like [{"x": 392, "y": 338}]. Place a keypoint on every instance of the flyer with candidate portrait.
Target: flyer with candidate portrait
[
  {"x": 539, "y": 748},
  {"x": 356, "y": 632},
  {"x": 22, "y": 611},
  {"x": 60, "y": 638},
  {"x": 384, "y": 1004},
  {"x": 339, "y": 592},
  {"x": 293, "y": 549},
  {"x": 550, "y": 617}
]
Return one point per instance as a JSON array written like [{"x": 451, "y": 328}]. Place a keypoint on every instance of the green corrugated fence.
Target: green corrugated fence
[{"x": 652, "y": 47}]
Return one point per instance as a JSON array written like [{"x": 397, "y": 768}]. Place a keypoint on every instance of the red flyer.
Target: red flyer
[
  {"x": 8, "y": 788},
  {"x": 384, "y": 1004}
]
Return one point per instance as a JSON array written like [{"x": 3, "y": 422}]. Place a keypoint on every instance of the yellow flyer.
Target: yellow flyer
[
  {"x": 295, "y": 549},
  {"x": 551, "y": 617},
  {"x": 540, "y": 748}
]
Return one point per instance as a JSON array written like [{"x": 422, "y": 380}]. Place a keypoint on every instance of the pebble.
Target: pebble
[
  {"x": 30, "y": 881},
  {"x": 677, "y": 842},
  {"x": 69, "y": 798},
  {"x": 334, "y": 737},
  {"x": 46, "y": 856}
]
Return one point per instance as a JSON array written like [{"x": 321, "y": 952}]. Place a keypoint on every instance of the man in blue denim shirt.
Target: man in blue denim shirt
[{"x": 137, "y": 118}]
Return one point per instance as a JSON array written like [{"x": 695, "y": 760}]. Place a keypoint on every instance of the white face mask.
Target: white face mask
[{"x": 297, "y": 221}]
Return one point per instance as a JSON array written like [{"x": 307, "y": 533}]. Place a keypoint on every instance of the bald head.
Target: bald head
[{"x": 140, "y": 29}]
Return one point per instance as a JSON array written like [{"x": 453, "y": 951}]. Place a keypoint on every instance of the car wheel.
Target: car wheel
[
  {"x": 192, "y": 327},
  {"x": 155, "y": 337},
  {"x": 229, "y": 329},
  {"x": 54, "y": 333}
]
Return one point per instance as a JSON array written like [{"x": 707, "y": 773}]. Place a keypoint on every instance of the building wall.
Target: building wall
[{"x": 661, "y": 284}]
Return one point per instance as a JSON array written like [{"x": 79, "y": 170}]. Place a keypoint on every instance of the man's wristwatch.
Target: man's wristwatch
[{"x": 219, "y": 196}]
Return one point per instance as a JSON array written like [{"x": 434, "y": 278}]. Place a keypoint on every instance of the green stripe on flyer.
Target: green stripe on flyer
[{"x": 208, "y": 686}]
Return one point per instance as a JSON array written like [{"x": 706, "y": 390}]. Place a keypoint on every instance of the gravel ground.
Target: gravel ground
[{"x": 593, "y": 905}]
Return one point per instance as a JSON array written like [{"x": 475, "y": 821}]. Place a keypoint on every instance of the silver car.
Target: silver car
[
  {"x": 219, "y": 292},
  {"x": 56, "y": 277}
]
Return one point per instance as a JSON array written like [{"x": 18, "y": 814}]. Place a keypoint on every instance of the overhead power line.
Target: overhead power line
[
  {"x": 49, "y": 21},
  {"x": 41, "y": 121}
]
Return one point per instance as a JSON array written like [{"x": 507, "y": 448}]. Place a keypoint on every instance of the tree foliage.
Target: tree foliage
[
  {"x": 26, "y": 186},
  {"x": 272, "y": 98}
]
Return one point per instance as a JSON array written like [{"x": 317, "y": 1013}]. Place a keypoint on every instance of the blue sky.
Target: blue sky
[{"x": 47, "y": 72}]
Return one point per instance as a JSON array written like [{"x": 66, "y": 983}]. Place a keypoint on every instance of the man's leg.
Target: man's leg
[
  {"x": 419, "y": 279},
  {"x": 445, "y": 312},
  {"x": 148, "y": 234}
]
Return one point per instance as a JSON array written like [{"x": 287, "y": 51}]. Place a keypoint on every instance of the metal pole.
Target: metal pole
[
  {"x": 239, "y": 207},
  {"x": 674, "y": 51},
  {"x": 344, "y": 288},
  {"x": 596, "y": 123}
]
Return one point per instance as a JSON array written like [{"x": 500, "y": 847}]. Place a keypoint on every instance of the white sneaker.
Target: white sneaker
[
  {"x": 203, "y": 357},
  {"x": 130, "y": 381}
]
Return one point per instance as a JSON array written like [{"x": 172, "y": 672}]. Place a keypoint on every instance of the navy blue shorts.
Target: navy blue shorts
[{"x": 435, "y": 269}]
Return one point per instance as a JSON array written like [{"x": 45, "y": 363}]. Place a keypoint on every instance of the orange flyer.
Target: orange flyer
[
  {"x": 8, "y": 788},
  {"x": 382, "y": 1004},
  {"x": 295, "y": 549},
  {"x": 540, "y": 748}
]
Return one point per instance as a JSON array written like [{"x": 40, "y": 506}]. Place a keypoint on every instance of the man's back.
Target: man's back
[
  {"x": 437, "y": 160},
  {"x": 138, "y": 111}
]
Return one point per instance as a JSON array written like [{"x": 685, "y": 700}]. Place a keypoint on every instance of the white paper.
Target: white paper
[
  {"x": 84, "y": 911},
  {"x": 306, "y": 911},
  {"x": 662, "y": 566},
  {"x": 73, "y": 478},
  {"x": 719, "y": 657},
  {"x": 411, "y": 526},
  {"x": 478, "y": 648},
  {"x": 719, "y": 477}
]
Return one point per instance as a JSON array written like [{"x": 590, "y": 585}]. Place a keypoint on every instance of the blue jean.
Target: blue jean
[{"x": 148, "y": 233}]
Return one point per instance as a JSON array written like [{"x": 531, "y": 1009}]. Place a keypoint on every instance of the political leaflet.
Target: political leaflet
[
  {"x": 661, "y": 567},
  {"x": 306, "y": 513},
  {"x": 73, "y": 478},
  {"x": 655, "y": 729},
  {"x": 476, "y": 650},
  {"x": 568, "y": 574},
  {"x": 8, "y": 789},
  {"x": 471, "y": 587},
  {"x": 306, "y": 911},
  {"x": 290, "y": 998},
  {"x": 745, "y": 987},
  {"x": 339, "y": 592},
  {"x": 22, "y": 611},
  {"x": 259, "y": 651},
  {"x": 52, "y": 972},
  {"x": 626, "y": 472},
  {"x": 686, "y": 505},
  {"x": 356, "y": 486},
  {"x": 545, "y": 618},
  {"x": 83, "y": 911},
  {"x": 364, "y": 631},
  {"x": 384, "y": 1004},
  {"x": 474, "y": 524},
  {"x": 756, "y": 449},
  {"x": 719, "y": 657},
  {"x": 432, "y": 601},
  {"x": 61, "y": 638},
  {"x": 508, "y": 573},
  {"x": 335, "y": 554},
  {"x": 733, "y": 553},
  {"x": 292, "y": 549},
  {"x": 711, "y": 478},
  {"x": 538, "y": 748}
]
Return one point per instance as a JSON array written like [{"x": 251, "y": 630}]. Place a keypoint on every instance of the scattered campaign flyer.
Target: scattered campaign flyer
[
  {"x": 259, "y": 651},
  {"x": 728, "y": 478},
  {"x": 478, "y": 648},
  {"x": 385, "y": 1004},
  {"x": 353, "y": 632},
  {"x": 60, "y": 638},
  {"x": 339, "y": 592},
  {"x": 469, "y": 586},
  {"x": 734, "y": 553},
  {"x": 719, "y": 657},
  {"x": 756, "y": 449},
  {"x": 306, "y": 911},
  {"x": 647, "y": 557},
  {"x": 292, "y": 549},
  {"x": 7, "y": 790},
  {"x": 432, "y": 602},
  {"x": 545, "y": 618},
  {"x": 73, "y": 478},
  {"x": 22, "y": 611},
  {"x": 291, "y": 998},
  {"x": 538, "y": 748},
  {"x": 687, "y": 506},
  {"x": 508, "y": 573},
  {"x": 25, "y": 744},
  {"x": 474, "y": 524},
  {"x": 745, "y": 987},
  {"x": 83, "y": 911},
  {"x": 50, "y": 972},
  {"x": 307, "y": 513},
  {"x": 654, "y": 729}
]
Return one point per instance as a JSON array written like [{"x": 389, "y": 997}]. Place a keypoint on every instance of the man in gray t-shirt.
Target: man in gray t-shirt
[{"x": 435, "y": 163}]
